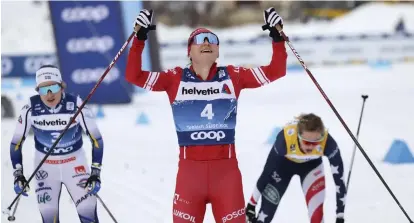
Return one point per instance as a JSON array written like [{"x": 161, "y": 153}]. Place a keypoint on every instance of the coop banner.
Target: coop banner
[
  {"x": 25, "y": 65},
  {"x": 88, "y": 35}
]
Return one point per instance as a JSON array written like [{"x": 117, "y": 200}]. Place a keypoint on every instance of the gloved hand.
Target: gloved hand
[
  {"x": 339, "y": 220},
  {"x": 250, "y": 214},
  {"x": 19, "y": 181},
  {"x": 93, "y": 184},
  {"x": 271, "y": 18},
  {"x": 144, "y": 19}
]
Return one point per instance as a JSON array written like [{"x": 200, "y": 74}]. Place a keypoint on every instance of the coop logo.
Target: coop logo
[
  {"x": 32, "y": 64},
  {"x": 93, "y": 44},
  {"x": 51, "y": 123},
  {"x": 208, "y": 135},
  {"x": 194, "y": 90},
  {"x": 89, "y": 14},
  {"x": 6, "y": 66},
  {"x": 233, "y": 215},
  {"x": 92, "y": 75},
  {"x": 60, "y": 150}
]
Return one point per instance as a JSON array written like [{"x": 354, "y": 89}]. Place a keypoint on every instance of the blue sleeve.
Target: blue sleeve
[
  {"x": 277, "y": 153},
  {"x": 337, "y": 169},
  {"x": 280, "y": 144},
  {"x": 87, "y": 121},
  {"x": 23, "y": 126},
  {"x": 95, "y": 136}
]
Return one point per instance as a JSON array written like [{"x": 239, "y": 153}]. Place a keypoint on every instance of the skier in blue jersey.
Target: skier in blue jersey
[
  {"x": 48, "y": 113},
  {"x": 298, "y": 150}
]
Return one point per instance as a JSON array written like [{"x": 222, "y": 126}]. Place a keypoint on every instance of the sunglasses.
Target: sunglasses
[
  {"x": 200, "y": 38},
  {"x": 55, "y": 88},
  {"x": 310, "y": 142}
]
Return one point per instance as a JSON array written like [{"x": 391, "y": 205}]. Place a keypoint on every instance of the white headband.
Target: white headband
[{"x": 48, "y": 74}]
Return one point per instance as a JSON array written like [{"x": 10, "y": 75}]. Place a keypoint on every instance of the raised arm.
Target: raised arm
[
  {"x": 153, "y": 81},
  {"x": 259, "y": 76}
]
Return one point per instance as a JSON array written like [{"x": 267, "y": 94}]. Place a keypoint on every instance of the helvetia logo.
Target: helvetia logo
[
  {"x": 225, "y": 89},
  {"x": 53, "y": 123},
  {"x": 196, "y": 91}
]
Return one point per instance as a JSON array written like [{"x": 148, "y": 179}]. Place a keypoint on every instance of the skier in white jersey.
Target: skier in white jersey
[{"x": 48, "y": 113}]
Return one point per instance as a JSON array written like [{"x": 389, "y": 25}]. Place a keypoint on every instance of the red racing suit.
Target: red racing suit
[{"x": 204, "y": 113}]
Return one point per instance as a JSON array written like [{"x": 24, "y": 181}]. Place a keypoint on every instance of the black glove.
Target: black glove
[
  {"x": 93, "y": 184},
  {"x": 144, "y": 19},
  {"x": 19, "y": 181},
  {"x": 340, "y": 220},
  {"x": 251, "y": 214},
  {"x": 271, "y": 18}
]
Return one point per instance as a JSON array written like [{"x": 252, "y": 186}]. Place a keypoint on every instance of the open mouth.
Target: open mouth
[
  {"x": 206, "y": 51},
  {"x": 50, "y": 100},
  {"x": 308, "y": 150}
]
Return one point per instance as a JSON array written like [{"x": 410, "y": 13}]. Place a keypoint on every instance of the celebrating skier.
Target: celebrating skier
[{"x": 203, "y": 98}]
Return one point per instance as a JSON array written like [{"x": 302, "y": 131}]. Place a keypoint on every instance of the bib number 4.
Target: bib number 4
[{"x": 207, "y": 112}]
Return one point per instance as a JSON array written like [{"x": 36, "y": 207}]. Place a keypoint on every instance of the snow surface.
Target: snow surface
[
  {"x": 140, "y": 162},
  {"x": 21, "y": 37}
]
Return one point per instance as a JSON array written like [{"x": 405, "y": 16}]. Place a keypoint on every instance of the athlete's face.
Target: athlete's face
[
  {"x": 310, "y": 140},
  {"x": 204, "y": 52},
  {"x": 50, "y": 92}
]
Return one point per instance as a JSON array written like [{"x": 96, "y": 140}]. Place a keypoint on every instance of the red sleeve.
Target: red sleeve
[
  {"x": 259, "y": 76},
  {"x": 153, "y": 81}
]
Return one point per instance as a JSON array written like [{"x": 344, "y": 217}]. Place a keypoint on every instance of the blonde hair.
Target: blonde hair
[{"x": 309, "y": 122}]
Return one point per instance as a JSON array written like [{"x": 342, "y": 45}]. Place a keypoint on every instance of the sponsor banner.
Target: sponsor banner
[
  {"x": 130, "y": 10},
  {"x": 25, "y": 65},
  {"x": 88, "y": 35},
  {"x": 314, "y": 51}
]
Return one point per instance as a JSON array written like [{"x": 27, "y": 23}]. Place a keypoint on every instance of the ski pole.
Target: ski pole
[
  {"x": 106, "y": 208},
  {"x": 364, "y": 98}
]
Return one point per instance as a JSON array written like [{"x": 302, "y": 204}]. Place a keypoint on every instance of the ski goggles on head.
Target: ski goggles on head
[
  {"x": 54, "y": 88},
  {"x": 200, "y": 38},
  {"x": 310, "y": 142}
]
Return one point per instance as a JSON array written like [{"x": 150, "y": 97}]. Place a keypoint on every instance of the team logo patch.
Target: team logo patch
[
  {"x": 225, "y": 89},
  {"x": 82, "y": 182},
  {"x": 271, "y": 194},
  {"x": 70, "y": 106},
  {"x": 222, "y": 74},
  {"x": 41, "y": 175},
  {"x": 292, "y": 148},
  {"x": 80, "y": 169}
]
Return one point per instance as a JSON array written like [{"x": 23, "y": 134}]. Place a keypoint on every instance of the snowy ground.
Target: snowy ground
[{"x": 140, "y": 162}]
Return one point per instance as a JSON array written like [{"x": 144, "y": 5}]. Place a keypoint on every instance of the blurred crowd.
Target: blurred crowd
[{"x": 233, "y": 13}]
